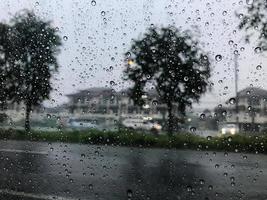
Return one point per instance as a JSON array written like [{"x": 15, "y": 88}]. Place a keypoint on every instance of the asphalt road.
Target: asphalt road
[{"x": 36, "y": 170}]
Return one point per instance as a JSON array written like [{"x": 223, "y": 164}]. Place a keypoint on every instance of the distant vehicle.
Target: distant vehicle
[
  {"x": 81, "y": 124},
  {"x": 229, "y": 129},
  {"x": 141, "y": 124}
]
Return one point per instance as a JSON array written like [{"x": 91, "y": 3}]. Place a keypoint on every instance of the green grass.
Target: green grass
[{"x": 237, "y": 143}]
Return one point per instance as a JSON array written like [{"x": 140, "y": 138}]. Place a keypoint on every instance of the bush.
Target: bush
[{"x": 237, "y": 143}]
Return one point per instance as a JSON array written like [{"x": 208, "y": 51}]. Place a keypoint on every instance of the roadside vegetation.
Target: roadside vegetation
[{"x": 236, "y": 143}]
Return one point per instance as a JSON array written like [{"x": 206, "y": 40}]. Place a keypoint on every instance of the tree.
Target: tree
[
  {"x": 173, "y": 63},
  {"x": 34, "y": 45},
  {"x": 5, "y": 72},
  {"x": 254, "y": 22}
]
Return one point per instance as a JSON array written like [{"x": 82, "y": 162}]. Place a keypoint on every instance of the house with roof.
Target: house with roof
[
  {"x": 98, "y": 102},
  {"x": 248, "y": 109}
]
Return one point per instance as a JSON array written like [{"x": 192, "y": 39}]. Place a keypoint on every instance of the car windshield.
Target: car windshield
[{"x": 137, "y": 100}]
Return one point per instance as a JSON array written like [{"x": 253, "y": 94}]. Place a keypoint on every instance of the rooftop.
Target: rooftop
[{"x": 252, "y": 92}]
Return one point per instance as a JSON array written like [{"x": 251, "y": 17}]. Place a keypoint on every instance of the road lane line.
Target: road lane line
[
  {"x": 24, "y": 151},
  {"x": 35, "y": 196}
]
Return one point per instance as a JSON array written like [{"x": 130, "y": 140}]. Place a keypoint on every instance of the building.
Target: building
[
  {"x": 14, "y": 112},
  {"x": 248, "y": 109},
  {"x": 110, "y": 104}
]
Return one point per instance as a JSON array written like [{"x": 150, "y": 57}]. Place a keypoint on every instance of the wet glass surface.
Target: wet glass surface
[{"x": 105, "y": 172}]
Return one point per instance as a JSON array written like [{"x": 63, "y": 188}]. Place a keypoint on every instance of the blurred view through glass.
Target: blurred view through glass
[{"x": 133, "y": 99}]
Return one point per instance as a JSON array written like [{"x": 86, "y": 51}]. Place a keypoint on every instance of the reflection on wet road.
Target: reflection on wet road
[{"x": 35, "y": 170}]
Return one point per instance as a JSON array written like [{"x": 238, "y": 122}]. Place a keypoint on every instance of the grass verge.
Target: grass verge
[{"x": 237, "y": 143}]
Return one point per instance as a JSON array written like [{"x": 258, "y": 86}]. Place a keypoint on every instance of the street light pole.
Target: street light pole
[{"x": 236, "y": 90}]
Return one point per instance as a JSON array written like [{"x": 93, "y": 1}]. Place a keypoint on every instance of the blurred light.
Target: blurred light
[
  {"x": 130, "y": 62},
  {"x": 232, "y": 131}
]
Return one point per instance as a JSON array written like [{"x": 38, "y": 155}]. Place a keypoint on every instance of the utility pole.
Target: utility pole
[{"x": 236, "y": 90}]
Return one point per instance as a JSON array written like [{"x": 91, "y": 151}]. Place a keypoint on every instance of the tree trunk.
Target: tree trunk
[
  {"x": 27, "y": 118},
  {"x": 170, "y": 119}
]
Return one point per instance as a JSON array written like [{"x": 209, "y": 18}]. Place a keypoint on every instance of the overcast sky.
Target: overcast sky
[{"x": 99, "y": 32}]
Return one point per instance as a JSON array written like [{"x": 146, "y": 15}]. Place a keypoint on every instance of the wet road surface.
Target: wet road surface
[{"x": 40, "y": 170}]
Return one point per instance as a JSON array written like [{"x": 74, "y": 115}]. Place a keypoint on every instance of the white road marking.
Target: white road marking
[
  {"x": 35, "y": 196},
  {"x": 24, "y": 151}
]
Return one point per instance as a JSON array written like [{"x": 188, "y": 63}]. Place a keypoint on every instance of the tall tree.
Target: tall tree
[
  {"x": 254, "y": 22},
  {"x": 171, "y": 61},
  {"x": 5, "y": 72},
  {"x": 35, "y": 45}
]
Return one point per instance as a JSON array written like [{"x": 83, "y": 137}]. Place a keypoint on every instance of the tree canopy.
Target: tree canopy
[
  {"x": 30, "y": 48},
  {"x": 254, "y": 22},
  {"x": 173, "y": 63}
]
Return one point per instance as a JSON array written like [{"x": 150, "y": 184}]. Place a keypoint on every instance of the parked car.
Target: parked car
[
  {"x": 229, "y": 129},
  {"x": 81, "y": 124},
  {"x": 141, "y": 124}
]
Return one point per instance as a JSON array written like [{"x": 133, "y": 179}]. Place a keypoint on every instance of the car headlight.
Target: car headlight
[
  {"x": 223, "y": 130},
  {"x": 157, "y": 126},
  {"x": 232, "y": 131}
]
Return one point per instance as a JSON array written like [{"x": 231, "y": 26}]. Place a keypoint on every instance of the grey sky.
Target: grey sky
[{"x": 98, "y": 35}]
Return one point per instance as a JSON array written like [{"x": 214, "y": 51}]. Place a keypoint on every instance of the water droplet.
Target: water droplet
[
  {"x": 231, "y": 42},
  {"x": 154, "y": 102},
  {"x": 128, "y": 54},
  {"x": 186, "y": 78},
  {"x": 209, "y": 138},
  {"x": 258, "y": 67},
  {"x": 210, "y": 187},
  {"x": 224, "y": 13},
  {"x": 257, "y": 50},
  {"x": 48, "y": 116},
  {"x": 232, "y": 101},
  {"x": 93, "y": 3},
  {"x": 202, "y": 182},
  {"x": 202, "y": 116},
  {"x": 103, "y": 13},
  {"x": 193, "y": 129},
  {"x": 112, "y": 83},
  {"x": 129, "y": 193},
  {"x": 218, "y": 58},
  {"x": 65, "y": 38},
  {"x": 189, "y": 188}
]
